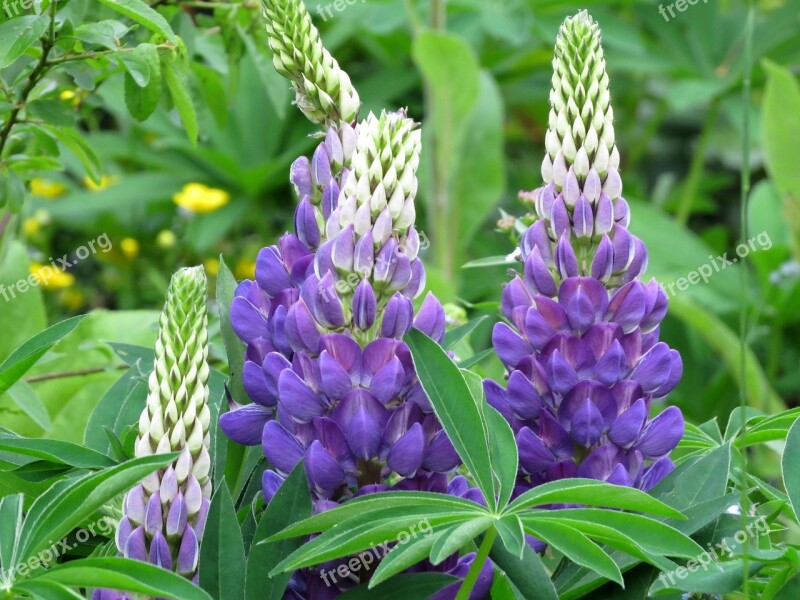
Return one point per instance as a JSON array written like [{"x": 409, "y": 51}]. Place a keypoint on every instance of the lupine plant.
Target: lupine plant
[{"x": 328, "y": 435}]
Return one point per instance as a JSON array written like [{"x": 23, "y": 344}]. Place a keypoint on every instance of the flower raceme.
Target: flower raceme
[
  {"x": 581, "y": 346},
  {"x": 164, "y": 516}
]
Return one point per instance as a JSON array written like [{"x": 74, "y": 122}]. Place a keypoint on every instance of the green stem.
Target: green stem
[
  {"x": 36, "y": 75},
  {"x": 472, "y": 575},
  {"x": 743, "y": 324},
  {"x": 695, "y": 175}
]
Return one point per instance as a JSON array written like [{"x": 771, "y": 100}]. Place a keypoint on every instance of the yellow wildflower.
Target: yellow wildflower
[
  {"x": 199, "y": 198},
  {"x": 72, "y": 298},
  {"x": 166, "y": 239},
  {"x": 106, "y": 181},
  {"x": 50, "y": 277},
  {"x": 30, "y": 226},
  {"x": 245, "y": 269},
  {"x": 70, "y": 96},
  {"x": 130, "y": 247},
  {"x": 211, "y": 266},
  {"x": 45, "y": 188}
]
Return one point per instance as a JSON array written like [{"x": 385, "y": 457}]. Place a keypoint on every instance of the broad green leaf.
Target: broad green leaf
[
  {"x": 123, "y": 574},
  {"x": 505, "y": 457},
  {"x": 23, "y": 315},
  {"x": 222, "y": 560},
  {"x": 452, "y": 402},
  {"x": 402, "y": 587},
  {"x": 512, "y": 534},
  {"x": 790, "y": 468},
  {"x": 48, "y": 590},
  {"x": 503, "y": 589},
  {"x": 56, "y": 451},
  {"x": 234, "y": 347},
  {"x": 454, "y": 336},
  {"x": 575, "y": 546},
  {"x": 68, "y": 503},
  {"x": 106, "y": 33},
  {"x": 139, "y": 11},
  {"x": 24, "y": 357},
  {"x": 456, "y": 536},
  {"x": 528, "y": 574},
  {"x": 781, "y": 128},
  {"x": 142, "y": 80},
  {"x": 291, "y": 503},
  {"x": 175, "y": 76},
  {"x": 19, "y": 34},
  {"x": 480, "y": 181},
  {"x": 24, "y": 396},
  {"x": 120, "y": 407},
  {"x": 594, "y": 493}
]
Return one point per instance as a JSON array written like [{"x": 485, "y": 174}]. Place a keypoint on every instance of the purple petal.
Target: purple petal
[
  {"x": 136, "y": 546},
  {"x": 653, "y": 370},
  {"x": 282, "y": 449},
  {"x": 397, "y": 317},
  {"x": 510, "y": 347},
  {"x": 365, "y": 306},
  {"x": 627, "y": 427},
  {"x": 407, "y": 454},
  {"x": 534, "y": 455},
  {"x": 300, "y": 176},
  {"x": 301, "y": 329},
  {"x": 305, "y": 223},
  {"x": 662, "y": 434},
  {"x": 322, "y": 470},
  {"x": 430, "y": 318},
  {"x": 245, "y": 425},
  {"x": 159, "y": 552},
  {"x": 189, "y": 552}
]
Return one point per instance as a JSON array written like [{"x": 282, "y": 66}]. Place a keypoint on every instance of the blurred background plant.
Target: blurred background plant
[{"x": 166, "y": 127}]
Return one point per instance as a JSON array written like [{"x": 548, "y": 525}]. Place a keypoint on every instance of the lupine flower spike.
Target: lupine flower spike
[
  {"x": 582, "y": 348},
  {"x": 164, "y": 516},
  {"x": 323, "y": 91}
]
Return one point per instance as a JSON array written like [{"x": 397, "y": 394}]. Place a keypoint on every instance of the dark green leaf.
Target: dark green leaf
[
  {"x": 120, "y": 406},
  {"x": 222, "y": 558},
  {"x": 57, "y": 451},
  {"x": 291, "y": 503},
  {"x": 454, "y": 336},
  {"x": 402, "y": 587},
  {"x": 512, "y": 534}
]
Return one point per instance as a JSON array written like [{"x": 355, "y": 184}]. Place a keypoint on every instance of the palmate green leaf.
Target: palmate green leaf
[
  {"x": 19, "y": 34},
  {"x": 122, "y": 574},
  {"x": 454, "y": 336},
  {"x": 57, "y": 451},
  {"x": 24, "y": 357},
  {"x": 594, "y": 493},
  {"x": 528, "y": 574},
  {"x": 291, "y": 503},
  {"x": 120, "y": 406},
  {"x": 790, "y": 468},
  {"x": 575, "y": 546},
  {"x": 456, "y": 536},
  {"x": 767, "y": 428},
  {"x": 367, "y": 531},
  {"x": 222, "y": 560},
  {"x": 512, "y": 534},
  {"x": 403, "y": 556},
  {"x": 402, "y": 587},
  {"x": 68, "y": 503},
  {"x": 385, "y": 500},
  {"x": 140, "y": 12},
  {"x": 453, "y": 404},
  {"x": 24, "y": 396}
]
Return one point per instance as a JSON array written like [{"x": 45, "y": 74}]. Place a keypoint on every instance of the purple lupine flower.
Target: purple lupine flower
[
  {"x": 581, "y": 346},
  {"x": 164, "y": 516}
]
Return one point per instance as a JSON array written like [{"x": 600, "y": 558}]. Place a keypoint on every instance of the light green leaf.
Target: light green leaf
[
  {"x": 19, "y": 34},
  {"x": 24, "y": 396},
  {"x": 24, "y": 357},
  {"x": 142, "y": 80},
  {"x": 781, "y": 128},
  {"x": 139, "y": 11},
  {"x": 175, "y": 76},
  {"x": 790, "y": 468},
  {"x": 57, "y": 451},
  {"x": 76, "y": 143},
  {"x": 120, "y": 407},
  {"x": 403, "y": 556},
  {"x": 457, "y": 536},
  {"x": 454, "y": 336},
  {"x": 512, "y": 534}
]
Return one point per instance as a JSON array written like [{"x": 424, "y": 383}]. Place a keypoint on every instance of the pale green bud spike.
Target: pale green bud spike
[
  {"x": 323, "y": 90},
  {"x": 177, "y": 416},
  {"x": 580, "y": 136},
  {"x": 383, "y": 175}
]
